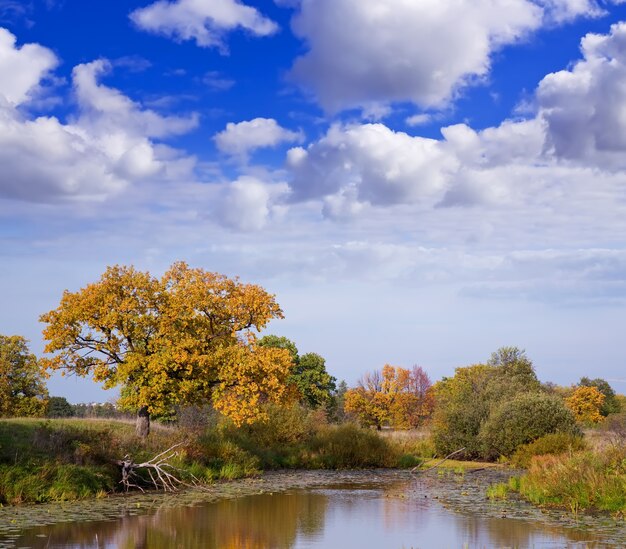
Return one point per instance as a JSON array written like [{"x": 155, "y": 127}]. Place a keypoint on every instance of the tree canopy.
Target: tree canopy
[
  {"x": 465, "y": 401},
  {"x": 393, "y": 396},
  {"x": 308, "y": 374},
  {"x": 611, "y": 404},
  {"x": 586, "y": 404},
  {"x": 22, "y": 387},
  {"x": 185, "y": 338}
]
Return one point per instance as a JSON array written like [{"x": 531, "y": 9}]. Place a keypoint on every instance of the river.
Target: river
[{"x": 311, "y": 510}]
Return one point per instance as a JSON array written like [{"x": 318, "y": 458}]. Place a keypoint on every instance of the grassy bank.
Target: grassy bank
[
  {"x": 579, "y": 475},
  {"x": 587, "y": 480},
  {"x": 58, "y": 460}
]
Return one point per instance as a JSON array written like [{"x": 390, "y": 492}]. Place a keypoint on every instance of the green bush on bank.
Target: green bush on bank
[
  {"x": 551, "y": 444},
  {"x": 524, "y": 419},
  {"x": 297, "y": 438}
]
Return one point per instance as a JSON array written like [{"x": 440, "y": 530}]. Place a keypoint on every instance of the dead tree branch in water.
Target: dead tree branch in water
[
  {"x": 416, "y": 471},
  {"x": 161, "y": 472}
]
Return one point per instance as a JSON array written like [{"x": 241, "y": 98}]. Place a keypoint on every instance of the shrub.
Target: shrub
[
  {"x": 284, "y": 425},
  {"x": 465, "y": 401},
  {"x": 551, "y": 444},
  {"x": 524, "y": 419},
  {"x": 348, "y": 446}
]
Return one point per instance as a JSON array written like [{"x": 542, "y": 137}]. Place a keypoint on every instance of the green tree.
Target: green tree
[
  {"x": 22, "y": 388},
  {"x": 281, "y": 342},
  {"x": 522, "y": 420},
  {"x": 465, "y": 401},
  {"x": 337, "y": 407},
  {"x": 308, "y": 374},
  {"x": 59, "y": 407},
  {"x": 186, "y": 338},
  {"x": 313, "y": 381},
  {"x": 611, "y": 403}
]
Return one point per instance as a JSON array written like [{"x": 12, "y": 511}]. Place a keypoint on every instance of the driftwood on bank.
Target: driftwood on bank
[
  {"x": 161, "y": 474},
  {"x": 417, "y": 471}
]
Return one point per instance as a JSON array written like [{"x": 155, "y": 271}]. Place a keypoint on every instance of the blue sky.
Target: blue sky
[{"x": 418, "y": 181}]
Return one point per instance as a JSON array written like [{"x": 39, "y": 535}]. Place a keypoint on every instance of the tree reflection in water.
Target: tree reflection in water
[
  {"x": 253, "y": 522},
  {"x": 391, "y": 514}
]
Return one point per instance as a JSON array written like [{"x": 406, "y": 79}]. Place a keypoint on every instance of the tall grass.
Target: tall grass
[
  {"x": 56, "y": 460},
  {"x": 579, "y": 481}
]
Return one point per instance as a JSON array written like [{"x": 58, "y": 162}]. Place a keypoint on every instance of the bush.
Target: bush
[
  {"x": 349, "y": 447},
  {"x": 285, "y": 425},
  {"x": 551, "y": 444},
  {"x": 523, "y": 420}
]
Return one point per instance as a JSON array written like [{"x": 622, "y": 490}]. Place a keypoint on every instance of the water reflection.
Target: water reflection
[
  {"x": 394, "y": 515},
  {"x": 254, "y": 522}
]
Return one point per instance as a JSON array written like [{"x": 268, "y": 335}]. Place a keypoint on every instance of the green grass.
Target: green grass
[
  {"x": 585, "y": 480},
  {"x": 499, "y": 490},
  {"x": 68, "y": 459}
]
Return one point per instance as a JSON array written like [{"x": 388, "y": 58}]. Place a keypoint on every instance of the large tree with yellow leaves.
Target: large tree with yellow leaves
[{"x": 185, "y": 338}]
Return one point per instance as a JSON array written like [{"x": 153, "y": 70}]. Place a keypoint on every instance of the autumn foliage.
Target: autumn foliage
[
  {"x": 185, "y": 338},
  {"x": 22, "y": 388},
  {"x": 586, "y": 405},
  {"x": 395, "y": 396}
]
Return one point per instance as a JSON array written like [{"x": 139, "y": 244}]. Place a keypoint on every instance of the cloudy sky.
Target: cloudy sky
[{"x": 418, "y": 181}]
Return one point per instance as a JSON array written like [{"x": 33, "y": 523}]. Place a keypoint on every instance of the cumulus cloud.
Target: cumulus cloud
[
  {"x": 22, "y": 68},
  {"x": 105, "y": 147},
  {"x": 204, "y": 21},
  {"x": 246, "y": 204},
  {"x": 370, "y": 163},
  {"x": 584, "y": 107},
  {"x": 365, "y": 51},
  {"x": 579, "y": 126},
  {"x": 102, "y": 105},
  {"x": 244, "y": 137}
]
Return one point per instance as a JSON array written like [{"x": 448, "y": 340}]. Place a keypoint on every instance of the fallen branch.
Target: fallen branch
[
  {"x": 161, "y": 472},
  {"x": 416, "y": 470}
]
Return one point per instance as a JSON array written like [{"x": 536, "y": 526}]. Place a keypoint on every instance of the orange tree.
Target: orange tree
[
  {"x": 586, "y": 405},
  {"x": 394, "y": 396},
  {"x": 185, "y": 338}
]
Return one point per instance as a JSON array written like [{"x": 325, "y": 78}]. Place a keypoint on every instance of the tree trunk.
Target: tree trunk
[{"x": 142, "y": 427}]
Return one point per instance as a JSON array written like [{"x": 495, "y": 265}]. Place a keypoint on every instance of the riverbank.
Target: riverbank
[{"x": 63, "y": 460}]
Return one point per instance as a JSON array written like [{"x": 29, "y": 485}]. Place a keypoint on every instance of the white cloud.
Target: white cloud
[
  {"x": 22, "y": 68},
  {"x": 419, "y": 119},
  {"x": 246, "y": 204},
  {"x": 244, "y": 137},
  {"x": 585, "y": 107},
  {"x": 42, "y": 159},
  {"x": 104, "y": 148},
  {"x": 366, "y": 51},
  {"x": 370, "y": 163},
  {"x": 560, "y": 11},
  {"x": 578, "y": 133},
  {"x": 204, "y": 21},
  {"x": 108, "y": 107}
]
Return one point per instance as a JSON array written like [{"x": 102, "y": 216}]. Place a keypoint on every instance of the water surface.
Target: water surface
[{"x": 324, "y": 510}]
